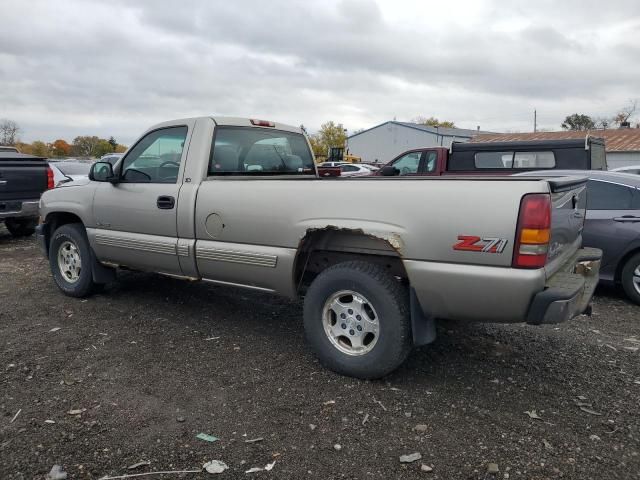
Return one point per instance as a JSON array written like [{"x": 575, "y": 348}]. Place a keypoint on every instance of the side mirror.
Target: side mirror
[
  {"x": 102, "y": 172},
  {"x": 389, "y": 171}
]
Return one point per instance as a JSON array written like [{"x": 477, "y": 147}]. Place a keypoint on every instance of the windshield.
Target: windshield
[{"x": 260, "y": 151}]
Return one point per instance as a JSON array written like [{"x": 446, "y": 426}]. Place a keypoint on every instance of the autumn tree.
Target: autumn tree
[
  {"x": 84, "y": 146},
  {"x": 330, "y": 135},
  {"x": 9, "y": 131},
  {"x": 102, "y": 147},
  {"x": 60, "y": 148},
  {"x": 40, "y": 149},
  {"x": 578, "y": 121},
  {"x": 433, "y": 122},
  {"x": 24, "y": 147}
]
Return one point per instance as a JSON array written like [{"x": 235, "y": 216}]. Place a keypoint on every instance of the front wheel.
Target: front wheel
[
  {"x": 356, "y": 319},
  {"x": 70, "y": 260},
  {"x": 21, "y": 227},
  {"x": 631, "y": 278}
]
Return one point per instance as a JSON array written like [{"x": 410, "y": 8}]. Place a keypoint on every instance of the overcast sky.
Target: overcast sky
[{"x": 115, "y": 67}]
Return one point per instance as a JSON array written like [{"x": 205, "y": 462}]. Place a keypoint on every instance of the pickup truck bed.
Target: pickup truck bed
[
  {"x": 378, "y": 259},
  {"x": 23, "y": 178}
]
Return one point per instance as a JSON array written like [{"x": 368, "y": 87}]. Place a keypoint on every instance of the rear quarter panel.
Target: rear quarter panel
[
  {"x": 424, "y": 217},
  {"x": 261, "y": 223}
]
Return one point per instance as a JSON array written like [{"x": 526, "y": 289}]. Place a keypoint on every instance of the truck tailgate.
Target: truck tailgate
[
  {"x": 22, "y": 179},
  {"x": 569, "y": 203}
]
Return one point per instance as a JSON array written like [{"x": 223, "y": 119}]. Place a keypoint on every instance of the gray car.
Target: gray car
[{"x": 613, "y": 225}]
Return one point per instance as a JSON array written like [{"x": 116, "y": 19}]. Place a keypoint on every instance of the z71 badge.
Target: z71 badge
[{"x": 472, "y": 243}]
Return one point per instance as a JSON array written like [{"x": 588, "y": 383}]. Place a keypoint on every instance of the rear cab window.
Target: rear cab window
[{"x": 252, "y": 151}]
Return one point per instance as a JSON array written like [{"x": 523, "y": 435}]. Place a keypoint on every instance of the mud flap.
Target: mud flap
[
  {"x": 423, "y": 327},
  {"x": 100, "y": 273}
]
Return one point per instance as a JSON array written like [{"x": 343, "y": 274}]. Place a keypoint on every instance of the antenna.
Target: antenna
[{"x": 535, "y": 121}]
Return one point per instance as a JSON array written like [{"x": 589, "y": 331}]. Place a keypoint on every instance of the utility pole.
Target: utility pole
[{"x": 535, "y": 121}]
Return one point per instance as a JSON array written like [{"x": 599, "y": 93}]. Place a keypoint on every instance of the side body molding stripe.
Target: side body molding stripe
[
  {"x": 137, "y": 244},
  {"x": 231, "y": 256}
]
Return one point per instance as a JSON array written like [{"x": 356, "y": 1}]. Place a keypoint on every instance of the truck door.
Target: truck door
[{"x": 136, "y": 221}]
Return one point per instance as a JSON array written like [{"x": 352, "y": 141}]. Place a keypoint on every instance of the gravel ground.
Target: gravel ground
[{"x": 152, "y": 362}]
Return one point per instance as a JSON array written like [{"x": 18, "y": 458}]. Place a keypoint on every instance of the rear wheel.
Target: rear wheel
[
  {"x": 356, "y": 319},
  {"x": 631, "y": 278},
  {"x": 70, "y": 260},
  {"x": 21, "y": 227}
]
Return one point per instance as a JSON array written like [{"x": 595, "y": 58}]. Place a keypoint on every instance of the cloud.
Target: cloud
[{"x": 114, "y": 67}]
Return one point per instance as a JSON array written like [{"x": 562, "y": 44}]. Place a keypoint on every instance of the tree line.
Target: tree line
[
  {"x": 81, "y": 146},
  {"x": 580, "y": 121}
]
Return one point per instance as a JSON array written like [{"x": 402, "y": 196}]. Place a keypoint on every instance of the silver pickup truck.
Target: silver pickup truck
[{"x": 238, "y": 202}]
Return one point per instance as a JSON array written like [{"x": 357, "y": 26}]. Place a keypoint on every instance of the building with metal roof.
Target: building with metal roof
[{"x": 384, "y": 142}]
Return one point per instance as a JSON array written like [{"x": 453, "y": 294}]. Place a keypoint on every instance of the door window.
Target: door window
[
  {"x": 156, "y": 158},
  {"x": 609, "y": 196},
  {"x": 408, "y": 164}
]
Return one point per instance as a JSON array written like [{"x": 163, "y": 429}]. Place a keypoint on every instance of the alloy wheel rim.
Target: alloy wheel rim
[
  {"x": 69, "y": 261},
  {"x": 636, "y": 279},
  {"x": 350, "y": 322}
]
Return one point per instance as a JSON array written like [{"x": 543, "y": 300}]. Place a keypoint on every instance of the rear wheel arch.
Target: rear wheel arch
[{"x": 322, "y": 248}]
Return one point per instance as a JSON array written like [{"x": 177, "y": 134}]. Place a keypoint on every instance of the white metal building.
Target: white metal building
[{"x": 384, "y": 142}]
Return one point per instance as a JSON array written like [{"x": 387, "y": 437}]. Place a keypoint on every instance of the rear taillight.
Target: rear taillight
[
  {"x": 534, "y": 231},
  {"x": 50, "y": 184}
]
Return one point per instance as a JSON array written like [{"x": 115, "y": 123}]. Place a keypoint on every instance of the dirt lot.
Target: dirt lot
[{"x": 153, "y": 361}]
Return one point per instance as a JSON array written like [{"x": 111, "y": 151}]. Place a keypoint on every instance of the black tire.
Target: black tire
[
  {"x": 75, "y": 234},
  {"x": 390, "y": 302},
  {"x": 632, "y": 265},
  {"x": 21, "y": 227}
]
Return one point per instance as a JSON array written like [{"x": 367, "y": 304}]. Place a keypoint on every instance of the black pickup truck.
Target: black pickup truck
[{"x": 23, "y": 178}]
